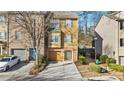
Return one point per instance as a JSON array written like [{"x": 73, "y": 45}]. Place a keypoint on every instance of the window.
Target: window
[
  {"x": 68, "y": 23},
  {"x": 18, "y": 35},
  {"x": 122, "y": 24},
  {"x": 67, "y": 38},
  {"x": 2, "y": 35},
  {"x": 13, "y": 58},
  {"x": 122, "y": 42},
  {"x": 2, "y": 19},
  {"x": 54, "y": 38},
  {"x": 54, "y": 25}
]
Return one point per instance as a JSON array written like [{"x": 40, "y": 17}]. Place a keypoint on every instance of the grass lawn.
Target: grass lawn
[{"x": 84, "y": 70}]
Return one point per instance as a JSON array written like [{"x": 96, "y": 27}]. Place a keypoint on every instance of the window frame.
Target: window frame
[
  {"x": 121, "y": 24},
  {"x": 54, "y": 25},
  {"x": 3, "y": 20},
  {"x": 121, "y": 42},
  {"x": 55, "y": 35},
  {"x": 16, "y": 36},
  {"x": 66, "y": 23},
  {"x": 68, "y": 41},
  {"x": 3, "y": 36}
]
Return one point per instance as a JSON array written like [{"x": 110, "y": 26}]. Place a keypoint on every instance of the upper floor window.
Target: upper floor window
[
  {"x": 2, "y": 35},
  {"x": 122, "y": 42},
  {"x": 67, "y": 38},
  {"x": 55, "y": 24},
  {"x": 122, "y": 24},
  {"x": 18, "y": 35},
  {"x": 2, "y": 18},
  {"x": 68, "y": 23},
  {"x": 54, "y": 38}
]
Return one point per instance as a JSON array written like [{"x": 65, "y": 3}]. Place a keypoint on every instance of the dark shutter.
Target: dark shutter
[
  {"x": 121, "y": 42},
  {"x": 121, "y": 23}
]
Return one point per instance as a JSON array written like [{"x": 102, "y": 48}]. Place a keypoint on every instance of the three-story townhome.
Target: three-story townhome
[
  {"x": 110, "y": 36},
  {"x": 63, "y": 37}
]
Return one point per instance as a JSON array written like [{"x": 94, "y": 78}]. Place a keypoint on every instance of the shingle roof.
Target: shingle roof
[
  {"x": 65, "y": 15},
  {"x": 112, "y": 15}
]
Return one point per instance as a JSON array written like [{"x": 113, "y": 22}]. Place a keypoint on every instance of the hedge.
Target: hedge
[
  {"x": 93, "y": 67},
  {"x": 103, "y": 58},
  {"x": 116, "y": 67},
  {"x": 82, "y": 59},
  {"x": 110, "y": 60}
]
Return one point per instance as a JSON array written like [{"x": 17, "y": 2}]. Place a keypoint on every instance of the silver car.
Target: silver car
[{"x": 8, "y": 62}]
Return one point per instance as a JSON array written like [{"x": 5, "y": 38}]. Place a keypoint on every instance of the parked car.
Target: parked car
[{"x": 8, "y": 62}]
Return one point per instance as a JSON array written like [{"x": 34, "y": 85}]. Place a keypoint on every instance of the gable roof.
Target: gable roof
[
  {"x": 64, "y": 15},
  {"x": 113, "y": 15}
]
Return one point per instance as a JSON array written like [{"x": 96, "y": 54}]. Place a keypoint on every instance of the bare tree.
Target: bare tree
[{"x": 35, "y": 25}]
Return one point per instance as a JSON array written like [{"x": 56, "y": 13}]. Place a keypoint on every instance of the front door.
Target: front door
[
  {"x": 32, "y": 55},
  {"x": 68, "y": 55}
]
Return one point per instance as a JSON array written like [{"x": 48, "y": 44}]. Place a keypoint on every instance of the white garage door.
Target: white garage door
[
  {"x": 20, "y": 53},
  {"x": 121, "y": 60}
]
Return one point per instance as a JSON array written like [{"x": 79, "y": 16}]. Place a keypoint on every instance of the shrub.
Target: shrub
[
  {"x": 4, "y": 55},
  {"x": 38, "y": 68},
  {"x": 110, "y": 60},
  {"x": 103, "y": 58},
  {"x": 94, "y": 67},
  {"x": 41, "y": 58},
  {"x": 82, "y": 59},
  {"x": 116, "y": 67}
]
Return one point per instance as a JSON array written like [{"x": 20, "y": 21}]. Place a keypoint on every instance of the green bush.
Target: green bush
[
  {"x": 103, "y": 58},
  {"x": 41, "y": 58},
  {"x": 4, "y": 55},
  {"x": 110, "y": 60},
  {"x": 93, "y": 67},
  {"x": 82, "y": 59},
  {"x": 116, "y": 67}
]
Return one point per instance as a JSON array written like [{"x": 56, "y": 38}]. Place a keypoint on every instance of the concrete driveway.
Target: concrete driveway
[
  {"x": 65, "y": 71},
  {"x": 17, "y": 72}
]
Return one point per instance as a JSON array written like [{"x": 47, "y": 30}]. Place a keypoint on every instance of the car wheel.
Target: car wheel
[
  {"x": 18, "y": 61},
  {"x": 7, "y": 68}
]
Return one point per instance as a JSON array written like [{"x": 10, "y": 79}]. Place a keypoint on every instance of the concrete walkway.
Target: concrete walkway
[{"x": 65, "y": 71}]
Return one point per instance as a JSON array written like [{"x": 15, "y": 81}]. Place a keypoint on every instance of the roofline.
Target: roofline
[{"x": 112, "y": 14}]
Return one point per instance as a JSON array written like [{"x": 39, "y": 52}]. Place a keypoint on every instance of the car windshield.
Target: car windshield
[{"x": 5, "y": 59}]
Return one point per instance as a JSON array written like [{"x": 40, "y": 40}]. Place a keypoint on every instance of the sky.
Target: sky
[{"x": 92, "y": 15}]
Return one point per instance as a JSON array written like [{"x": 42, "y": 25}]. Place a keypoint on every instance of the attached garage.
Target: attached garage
[
  {"x": 20, "y": 53},
  {"x": 55, "y": 56},
  {"x": 121, "y": 60}
]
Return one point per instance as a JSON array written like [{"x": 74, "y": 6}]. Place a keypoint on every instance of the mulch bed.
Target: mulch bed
[{"x": 84, "y": 70}]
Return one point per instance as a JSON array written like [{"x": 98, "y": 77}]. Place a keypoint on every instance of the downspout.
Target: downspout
[
  {"x": 8, "y": 34},
  {"x": 118, "y": 38}
]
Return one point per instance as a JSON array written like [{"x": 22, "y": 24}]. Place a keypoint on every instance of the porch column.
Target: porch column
[{"x": 1, "y": 50}]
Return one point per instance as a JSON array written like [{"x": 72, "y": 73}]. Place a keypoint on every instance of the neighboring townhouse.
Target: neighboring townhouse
[
  {"x": 110, "y": 36},
  {"x": 3, "y": 33},
  {"x": 63, "y": 37},
  {"x": 61, "y": 43},
  {"x": 14, "y": 40}
]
